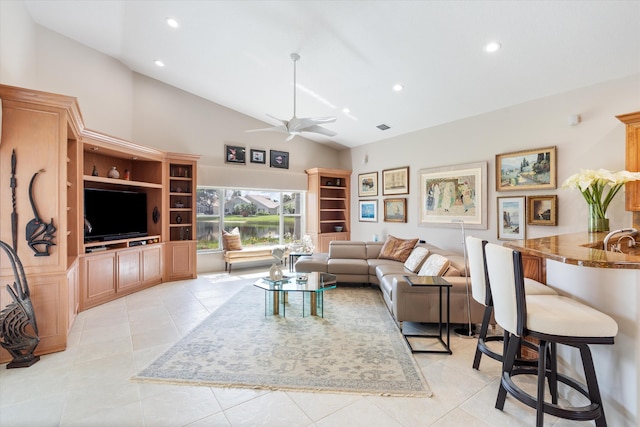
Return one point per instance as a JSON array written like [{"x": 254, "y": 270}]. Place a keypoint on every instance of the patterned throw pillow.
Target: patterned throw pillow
[
  {"x": 397, "y": 249},
  {"x": 232, "y": 240},
  {"x": 416, "y": 258},
  {"x": 435, "y": 265}
]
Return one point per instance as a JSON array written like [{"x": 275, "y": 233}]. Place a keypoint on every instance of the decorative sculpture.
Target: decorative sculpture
[
  {"x": 14, "y": 213},
  {"x": 39, "y": 233},
  {"x": 275, "y": 273},
  {"x": 18, "y": 327}
]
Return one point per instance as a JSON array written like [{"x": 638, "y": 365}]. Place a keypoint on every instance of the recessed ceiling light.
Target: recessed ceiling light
[
  {"x": 172, "y": 22},
  {"x": 158, "y": 63},
  {"x": 398, "y": 87},
  {"x": 492, "y": 47},
  {"x": 346, "y": 110}
]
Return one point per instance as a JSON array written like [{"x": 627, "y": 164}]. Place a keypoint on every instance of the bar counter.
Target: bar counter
[{"x": 582, "y": 249}]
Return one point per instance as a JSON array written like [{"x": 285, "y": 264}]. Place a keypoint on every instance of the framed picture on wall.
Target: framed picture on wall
[
  {"x": 542, "y": 210},
  {"x": 368, "y": 211},
  {"x": 395, "y": 181},
  {"x": 453, "y": 194},
  {"x": 511, "y": 214},
  {"x": 395, "y": 210},
  {"x": 279, "y": 159},
  {"x": 234, "y": 154},
  {"x": 258, "y": 156},
  {"x": 368, "y": 184},
  {"x": 526, "y": 170}
]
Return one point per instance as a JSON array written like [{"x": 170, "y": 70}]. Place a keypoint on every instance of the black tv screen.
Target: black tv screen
[{"x": 112, "y": 215}]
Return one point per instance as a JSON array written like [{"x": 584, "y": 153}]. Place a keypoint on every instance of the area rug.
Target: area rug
[{"x": 355, "y": 348}]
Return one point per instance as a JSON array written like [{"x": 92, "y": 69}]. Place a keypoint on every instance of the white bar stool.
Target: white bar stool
[
  {"x": 481, "y": 292},
  {"x": 553, "y": 320}
]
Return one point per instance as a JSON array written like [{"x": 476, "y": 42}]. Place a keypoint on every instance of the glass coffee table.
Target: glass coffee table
[{"x": 311, "y": 285}]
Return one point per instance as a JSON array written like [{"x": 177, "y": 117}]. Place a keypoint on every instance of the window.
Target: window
[{"x": 263, "y": 217}]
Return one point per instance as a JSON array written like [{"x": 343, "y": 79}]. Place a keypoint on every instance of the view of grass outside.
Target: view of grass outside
[{"x": 262, "y": 217}]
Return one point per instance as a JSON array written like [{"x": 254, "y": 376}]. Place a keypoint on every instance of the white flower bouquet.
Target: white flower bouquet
[{"x": 593, "y": 183}]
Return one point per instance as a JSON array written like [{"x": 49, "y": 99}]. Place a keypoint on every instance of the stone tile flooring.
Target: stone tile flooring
[{"x": 89, "y": 383}]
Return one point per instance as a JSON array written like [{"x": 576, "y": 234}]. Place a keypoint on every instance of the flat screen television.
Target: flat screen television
[{"x": 112, "y": 215}]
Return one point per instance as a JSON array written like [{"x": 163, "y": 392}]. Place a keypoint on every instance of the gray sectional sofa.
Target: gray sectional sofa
[{"x": 358, "y": 262}]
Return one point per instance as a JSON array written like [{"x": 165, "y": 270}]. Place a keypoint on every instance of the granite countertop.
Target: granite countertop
[{"x": 583, "y": 249}]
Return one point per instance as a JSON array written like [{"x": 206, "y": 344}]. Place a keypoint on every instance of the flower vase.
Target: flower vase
[
  {"x": 597, "y": 222},
  {"x": 275, "y": 272}
]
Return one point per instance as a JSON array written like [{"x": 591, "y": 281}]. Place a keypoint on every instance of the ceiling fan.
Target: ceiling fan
[{"x": 295, "y": 126}]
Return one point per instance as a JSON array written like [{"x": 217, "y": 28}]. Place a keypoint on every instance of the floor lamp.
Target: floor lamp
[{"x": 463, "y": 331}]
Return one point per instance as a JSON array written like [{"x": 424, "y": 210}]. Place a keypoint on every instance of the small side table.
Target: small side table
[
  {"x": 440, "y": 283},
  {"x": 293, "y": 256}
]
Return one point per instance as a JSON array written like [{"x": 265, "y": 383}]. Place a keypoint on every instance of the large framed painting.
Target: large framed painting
[
  {"x": 526, "y": 170},
  {"x": 368, "y": 211},
  {"x": 453, "y": 194},
  {"x": 511, "y": 223},
  {"x": 395, "y": 181},
  {"x": 368, "y": 184}
]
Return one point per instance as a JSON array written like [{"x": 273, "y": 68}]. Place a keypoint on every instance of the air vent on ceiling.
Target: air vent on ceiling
[{"x": 383, "y": 127}]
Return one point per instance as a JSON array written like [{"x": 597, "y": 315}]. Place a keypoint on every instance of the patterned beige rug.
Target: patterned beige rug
[{"x": 355, "y": 348}]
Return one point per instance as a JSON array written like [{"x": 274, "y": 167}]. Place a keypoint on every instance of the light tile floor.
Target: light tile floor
[{"x": 89, "y": 383}]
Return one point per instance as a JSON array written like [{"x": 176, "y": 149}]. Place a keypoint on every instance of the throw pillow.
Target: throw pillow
[
  {"x": 416, "y": 258},
  {"x": 231, "y": 241},
  {"x": 435, "y": 265},
  {"x": 397, "y": 249}
]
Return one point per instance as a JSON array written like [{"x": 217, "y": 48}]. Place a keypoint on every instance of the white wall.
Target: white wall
[
  {"x": 597, "y": 142},
  {"x": 17, "y": 45}
]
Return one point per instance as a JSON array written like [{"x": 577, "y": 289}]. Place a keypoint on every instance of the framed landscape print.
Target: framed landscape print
[
  {"x": 395, "y": 210},
  {"x": 395, "y": 181},
  {"x": 542, "y": 210},
  {"x": 368, "y": 211},
  {"x": 234, "y": 154},
  {"x": 258, "y": 156},
  {"x": 368, "y": 184},
  {"x": 526, "y": 170},
  {"x": 279, "y": 159},
  {"x": 451, "y": 194},
  {"x": 511, "y": 225}
]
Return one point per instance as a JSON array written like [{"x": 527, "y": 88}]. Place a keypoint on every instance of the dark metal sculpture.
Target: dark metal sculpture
[
  {"x": 18, "y": 327},
  {"x": 14, "y": 212},
  {"x": 38, "y": 233}
]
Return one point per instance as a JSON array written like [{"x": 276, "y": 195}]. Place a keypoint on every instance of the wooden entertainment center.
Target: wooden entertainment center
[{"x": 47, "y": 133}]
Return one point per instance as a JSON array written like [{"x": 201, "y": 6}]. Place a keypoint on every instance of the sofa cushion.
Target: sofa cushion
[
  {"x": 417, "y": 257},
  {"x": 435, "y": 265},
  {"x": 347, "y": 266},
  {"x": 397, "y": 249},
  {"x": 311, "y": 263},
  {"x": 347, "y": 250},
  {"x": 231, "y": 241}
]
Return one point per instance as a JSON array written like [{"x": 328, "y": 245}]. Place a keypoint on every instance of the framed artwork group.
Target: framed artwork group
[
  {"x": 237, "y": 155},
  {"x": 520, "y": 171},
  {"x": 394, "y": 182}
]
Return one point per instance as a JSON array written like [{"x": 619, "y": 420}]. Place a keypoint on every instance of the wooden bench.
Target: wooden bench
[{"x": 248, "y": 255}]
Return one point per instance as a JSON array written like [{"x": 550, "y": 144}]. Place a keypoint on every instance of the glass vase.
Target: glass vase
[{"x": 597, "y": 222}]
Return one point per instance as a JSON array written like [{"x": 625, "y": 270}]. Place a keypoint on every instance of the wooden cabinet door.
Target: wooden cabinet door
[
  {"x": 129, "y": 270},
  {"x": 152, "y": 265},
  {"x": 73, "y": 294},
  {"x": 180, "y": 261},
  {"x": 99, "y": 279}
]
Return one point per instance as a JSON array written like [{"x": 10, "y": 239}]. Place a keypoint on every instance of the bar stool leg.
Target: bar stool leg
[
  {"x": 553, "y": 372},
  {"x": 482, "y": 336},
  {"x": 592, "y": 382},
  {"x": 507, "y": 366},
  {"x": 543, "y": 350}
]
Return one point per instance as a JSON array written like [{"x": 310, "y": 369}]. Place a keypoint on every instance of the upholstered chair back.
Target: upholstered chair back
[{"x": 478, "y": 272}]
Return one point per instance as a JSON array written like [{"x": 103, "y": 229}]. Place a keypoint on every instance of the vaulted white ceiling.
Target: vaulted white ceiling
[{"x": 236, "y": 53}]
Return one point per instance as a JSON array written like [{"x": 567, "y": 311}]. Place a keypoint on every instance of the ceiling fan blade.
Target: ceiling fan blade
[
  {"x": 296, "y": 124},
  {"x": 291, "y": 136},
  {"x": 320, "y": 130},
  {"x": 280, "y": 128}
]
